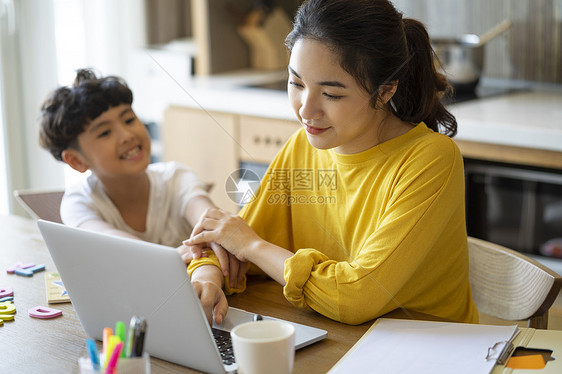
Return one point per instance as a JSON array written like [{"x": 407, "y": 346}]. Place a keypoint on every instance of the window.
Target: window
[
  {"x": 3, "y": 172},
  {"x": 70, "y": 42}
]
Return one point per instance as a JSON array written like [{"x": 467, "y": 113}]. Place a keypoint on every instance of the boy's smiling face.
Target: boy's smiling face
[{"x": 114, "y": 144}]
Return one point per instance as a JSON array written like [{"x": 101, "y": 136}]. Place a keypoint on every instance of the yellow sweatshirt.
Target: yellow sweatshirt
[{"x": 372, "y": 232}]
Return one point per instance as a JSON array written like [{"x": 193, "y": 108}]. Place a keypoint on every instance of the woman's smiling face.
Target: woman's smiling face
[{"x": 334, "y": 109}]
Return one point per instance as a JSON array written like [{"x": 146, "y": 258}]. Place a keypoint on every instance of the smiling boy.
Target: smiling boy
[{"x": 92, "y": 126}]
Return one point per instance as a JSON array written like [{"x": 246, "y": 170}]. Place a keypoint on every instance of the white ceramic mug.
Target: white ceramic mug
[{"x": 264, "y": 347}]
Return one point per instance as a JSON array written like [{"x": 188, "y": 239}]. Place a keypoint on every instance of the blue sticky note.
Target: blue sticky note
[
  {"x": 28, "y": 272},
  {"x": 24, "y": 272},
  {"x": 37, "y": 268}
]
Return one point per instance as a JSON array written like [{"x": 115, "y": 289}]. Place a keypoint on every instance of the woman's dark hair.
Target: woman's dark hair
[
  {"x": 67, "y": 111},
  {"x": 377, "y": 46}
]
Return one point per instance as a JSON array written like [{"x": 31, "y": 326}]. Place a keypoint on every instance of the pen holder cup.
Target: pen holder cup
[{"x": 136, "y": 365}]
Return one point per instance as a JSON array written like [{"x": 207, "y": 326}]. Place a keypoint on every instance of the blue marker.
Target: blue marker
[{"x": 93, "y": 352}]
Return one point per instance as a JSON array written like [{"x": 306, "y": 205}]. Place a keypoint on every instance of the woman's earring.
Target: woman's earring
[{"x": 392, "y": 105}]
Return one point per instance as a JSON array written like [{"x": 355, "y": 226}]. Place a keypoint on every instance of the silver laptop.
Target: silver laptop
[{"x": 111, "y": 278}]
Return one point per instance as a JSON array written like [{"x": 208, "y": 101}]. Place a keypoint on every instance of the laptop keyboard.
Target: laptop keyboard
[{"x": 224, "y": 344}]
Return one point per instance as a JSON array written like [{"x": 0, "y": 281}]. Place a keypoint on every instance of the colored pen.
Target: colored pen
[
  {"x": 120, "y": 332},
  {"x": 112, "y": 363},
  {"x": 140, "y": 332},
  {"x": 93, "y": 352},
  {"x": 131, "y": 336},
  {"x": 107, "y": 332}
]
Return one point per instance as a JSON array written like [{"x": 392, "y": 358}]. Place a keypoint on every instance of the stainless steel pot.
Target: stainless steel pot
[{"x": 462, "y": 59}]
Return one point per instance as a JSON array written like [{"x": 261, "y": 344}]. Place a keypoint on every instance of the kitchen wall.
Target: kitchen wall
[
  {"x": 171, "y": 19},
  {"x": 213, "y": 25},
  {"x": 167, "y": 20},
  {"x": 531, "y": 50}
]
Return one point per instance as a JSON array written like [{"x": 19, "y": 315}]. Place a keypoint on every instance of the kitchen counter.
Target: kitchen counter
[
  {"x": 228, "y": 93},
  {"x": 529, "y": 118},
  {"x": 523, "y": 119}
]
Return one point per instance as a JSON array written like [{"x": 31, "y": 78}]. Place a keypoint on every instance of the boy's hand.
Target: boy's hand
[
  {"x": 230, "y": 265},
  {"x": 207, "y": 283},
  {"x": 191, "y": 252}
]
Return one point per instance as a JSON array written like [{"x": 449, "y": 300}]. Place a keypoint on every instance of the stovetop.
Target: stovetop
[{"x": 480, "y": 92}]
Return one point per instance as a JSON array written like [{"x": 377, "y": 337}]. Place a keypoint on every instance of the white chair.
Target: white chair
[
  {"x": 45, "y": 204},
  {"x": 511, "y": 286},
  {"x": 41, "y": 204}
]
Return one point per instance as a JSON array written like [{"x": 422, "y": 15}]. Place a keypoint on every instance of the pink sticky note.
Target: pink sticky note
[
  {"x": 8, "y": 291},
  {"x": 13, "y": 268},
  {"x": 44, "y": 312},
  {"x": 20, "y": 265}
]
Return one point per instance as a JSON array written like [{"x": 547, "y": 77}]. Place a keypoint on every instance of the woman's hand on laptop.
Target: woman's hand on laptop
[{"x": 207, "y": 281}]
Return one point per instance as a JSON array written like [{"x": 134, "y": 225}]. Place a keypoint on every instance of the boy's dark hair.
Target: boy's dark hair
[{"x": 67, "y": 111}]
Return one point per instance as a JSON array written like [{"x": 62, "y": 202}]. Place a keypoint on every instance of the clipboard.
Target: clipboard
[
  {"x": 538, "y": 340},
  {"x": 411, "y": 346}
]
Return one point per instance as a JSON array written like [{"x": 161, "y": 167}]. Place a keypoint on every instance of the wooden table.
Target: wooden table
[{"x": 30, "y": 345}]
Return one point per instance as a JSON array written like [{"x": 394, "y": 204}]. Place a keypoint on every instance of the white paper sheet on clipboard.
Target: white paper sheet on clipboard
[{"x": 408, "y": 346}]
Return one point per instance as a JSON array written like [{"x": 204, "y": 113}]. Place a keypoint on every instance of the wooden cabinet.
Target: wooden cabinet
[
  {"x": 205, "y": 142},
  {"x": 261, "y": 138},
  {"x": 509, "y": 154},
  {"x": 213, "y": 144}
]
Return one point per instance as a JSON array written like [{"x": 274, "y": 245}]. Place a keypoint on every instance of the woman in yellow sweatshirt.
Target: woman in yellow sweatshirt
[{"x": 362, "y": 211}]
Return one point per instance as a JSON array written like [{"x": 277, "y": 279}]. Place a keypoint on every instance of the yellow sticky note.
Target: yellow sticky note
[
  {"x": 7, "y": 307},
  {"x": 526, "y": 362},
  {"x": 6, "y": 317}
]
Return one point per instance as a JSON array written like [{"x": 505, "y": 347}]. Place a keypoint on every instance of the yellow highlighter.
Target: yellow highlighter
[{"x": 113, "y": 341}]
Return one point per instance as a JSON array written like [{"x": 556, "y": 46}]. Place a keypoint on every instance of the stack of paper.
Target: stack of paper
[{"x": 407, "y": 346}]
